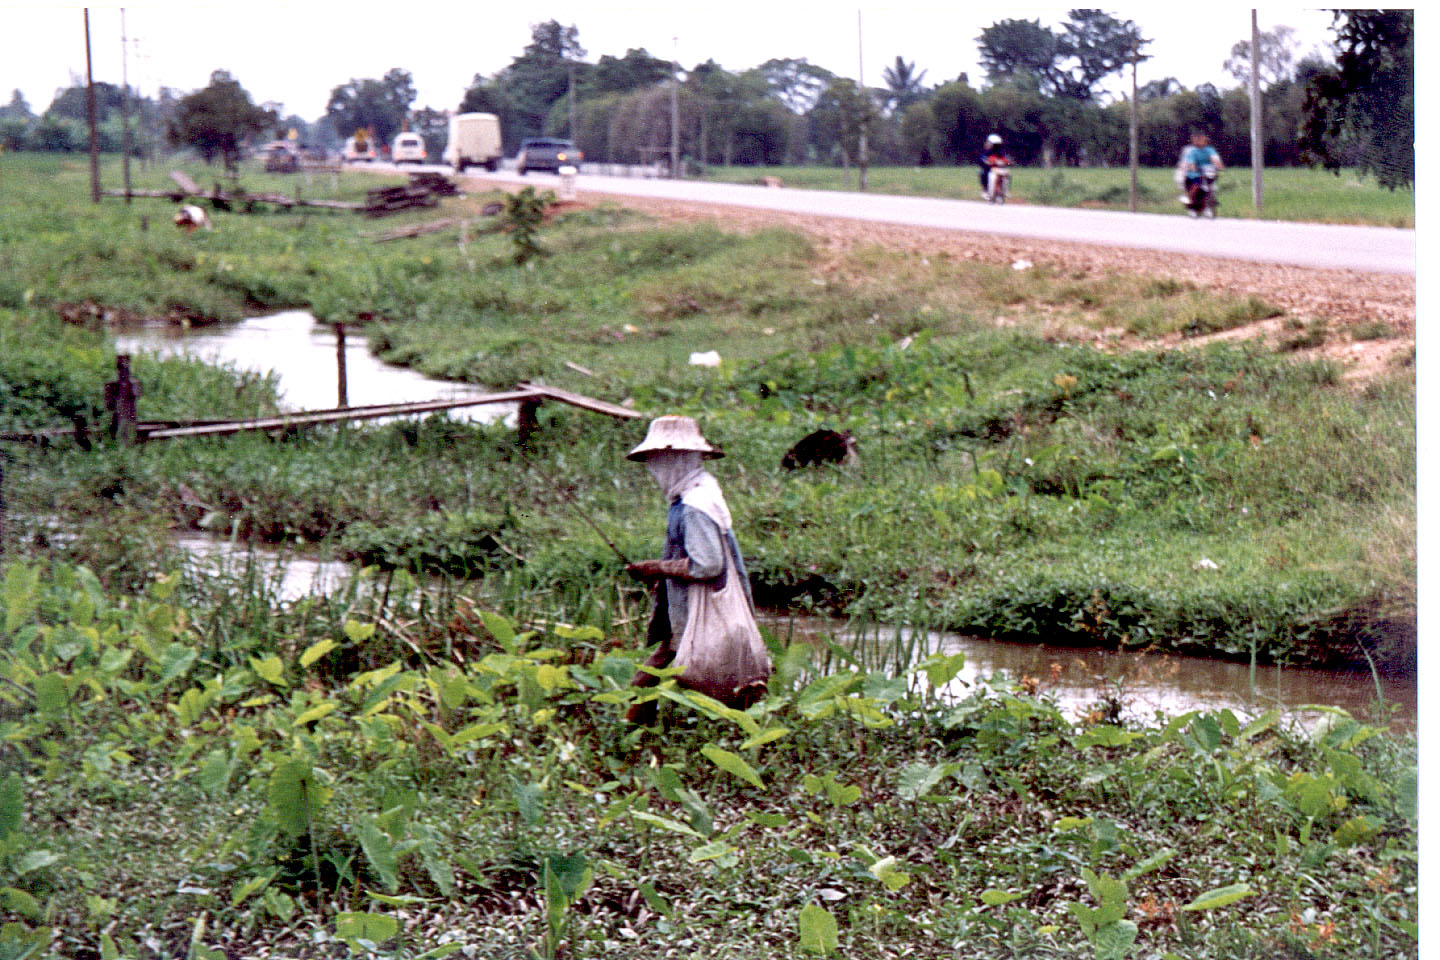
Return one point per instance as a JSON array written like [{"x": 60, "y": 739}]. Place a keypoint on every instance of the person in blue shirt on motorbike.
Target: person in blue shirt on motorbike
[{"x": 1193, "y": 161}]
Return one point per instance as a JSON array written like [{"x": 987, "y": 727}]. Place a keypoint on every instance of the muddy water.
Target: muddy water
[
  {"x": 1079, "y": 679},
  {"x": 301, "y": 355}
]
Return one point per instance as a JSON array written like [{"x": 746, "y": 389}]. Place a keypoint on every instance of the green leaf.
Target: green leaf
[
  {"x": 569, "y": 875},
  {"x": 733, "y": 764},
  {"x": 248, "y": 889},
  {"x": 995, "y": 898},
  {"x": 375, "y": 927},
  {"x": 14, "y": 900},
  {"x": 294, "y": 796},
  {"x": 316, "y": 712},
  {"x": 359, "y": 632},
  {"x": 1219, "y": 897},
  {"x": 271, "y": 670},
  {"x": 50, "y": 693},
  {"x": 918, "y": 779},
  {"x": 502, "y": 630},
  {"x": 656, "y": 902},
  {"x": 767, "y": 736},
  {"x": 379, "y": 851},
  {"x": 818, "y": 931},
  {"x": 12, "y": 805},
  {"x": 710, "y": 851},
  {"x": 36, "y": 860},
  {"x": 1112, "y": 941},
  {"x": 941, "y": 669},
  {"x": 665, "y": 823},
  {"x": 315, "y": 651}
]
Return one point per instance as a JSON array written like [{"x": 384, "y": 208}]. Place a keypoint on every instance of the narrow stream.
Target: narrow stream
[{"x": 301, "y": 354}]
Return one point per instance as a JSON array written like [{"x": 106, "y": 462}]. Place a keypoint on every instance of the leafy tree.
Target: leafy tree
[
  {"x": 379, "y": 106},
  {"x": 839, "y": 116},
  {"x": 917, "y": 134},
  {"x": 217, "y": 120},
  {"x": 1091, "y": 46},
  {"x": 1277, "y": 57},
  {"x": 637, "y": 70},
  {"x": 17, "y": 108},
  {"x": 70, "y": 103},
  {"x": 906, "y": 87},
  {"x": 1158, "y": 89},
  {"x": 433, "y": 127},
  {"x": 795, "y": 83},
  {"x": 539, "y": 77},
  {"x": 1361, "y": 112}
]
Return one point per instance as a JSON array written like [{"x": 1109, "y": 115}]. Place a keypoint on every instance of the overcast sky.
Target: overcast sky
[{"x": 296, "y": 53}]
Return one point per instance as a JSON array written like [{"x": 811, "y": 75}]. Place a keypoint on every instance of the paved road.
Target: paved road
[{"x": 1370, "y": 249}]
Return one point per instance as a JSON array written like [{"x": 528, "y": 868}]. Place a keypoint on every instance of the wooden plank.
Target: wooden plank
[
  {"x": 183, "y": 181},
  {"x": 335, "y": 415},
  {"x": 583, "y": 402}
]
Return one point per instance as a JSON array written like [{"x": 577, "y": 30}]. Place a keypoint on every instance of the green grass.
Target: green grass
[
  {"x": 1290, "y": 193},
  {"x": 1012, "y": 482},
  {"x": 404, "y": 760},
  {"x": 405, "y": 767}
]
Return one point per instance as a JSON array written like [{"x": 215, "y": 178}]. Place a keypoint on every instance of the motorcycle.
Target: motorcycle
[
  {"x": 1202, "y": 201},
  {"x": 997, "y": 186}
]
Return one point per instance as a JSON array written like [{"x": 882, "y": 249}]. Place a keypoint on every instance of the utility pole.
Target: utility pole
[
  {"x": 90, "y": 115},
  {"x": 675, "y": 113},
  {"x": 864, "y": 151},
  {"x": 1257, "y": 119},
  {"x": 570, "y": 91},
  {"x": 1135, "y": 126},
  {"x": 124, "y": 107}
]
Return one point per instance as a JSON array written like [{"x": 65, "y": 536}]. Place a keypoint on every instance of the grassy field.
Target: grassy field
[
  {"x": 1291, "y": 193},
  {"x": 433, "y": 758}
]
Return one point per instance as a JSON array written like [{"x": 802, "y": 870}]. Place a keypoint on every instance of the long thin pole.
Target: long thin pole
[
  {"x": 675, "y": 114},
  {"x": 865, "y": 104},
  {"x": 90, "y": 115},
  {"x": 124, "y": 106},
  {"x": 1135, "y": 127},
  {"x": 1257, "y": 124}
]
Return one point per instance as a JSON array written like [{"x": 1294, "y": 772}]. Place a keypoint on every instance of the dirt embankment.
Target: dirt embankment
[{"x": 1350, "y": 303}]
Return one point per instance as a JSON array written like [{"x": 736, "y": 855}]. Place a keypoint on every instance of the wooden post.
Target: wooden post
[
  {"x": 90, "y": 115},
  {"x": 1257, "y": 120},
  {"x": 120, "y": 396},
  {"x": 342, "y": 386},
  {"x": 526, "y": 421}
]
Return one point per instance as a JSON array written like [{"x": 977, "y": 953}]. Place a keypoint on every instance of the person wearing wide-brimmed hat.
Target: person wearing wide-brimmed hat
[{"x": 704, "y": 616}]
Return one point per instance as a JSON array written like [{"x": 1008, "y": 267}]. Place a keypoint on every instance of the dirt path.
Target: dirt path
[{"x": 1348, "y": 302}]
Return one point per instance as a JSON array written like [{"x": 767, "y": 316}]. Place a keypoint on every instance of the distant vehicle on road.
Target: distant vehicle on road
[
  {"x": 358, "y": 150},
  {"x": 547, "y": 153},
  {"x": 281, "y": 158},
  {"x": 407, "y": 148},
  {"x": 474, "y": 142}
]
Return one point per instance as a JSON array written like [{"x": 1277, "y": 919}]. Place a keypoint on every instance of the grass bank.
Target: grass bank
[
  {"x": 1291, "y": 193},
  {"x": 1015, "y": 479}
]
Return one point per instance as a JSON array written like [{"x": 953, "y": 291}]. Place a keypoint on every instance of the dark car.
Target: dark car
[{"x": 547, "y": 153}]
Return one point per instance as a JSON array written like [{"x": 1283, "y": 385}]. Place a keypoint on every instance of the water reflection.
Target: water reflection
[
  {"x": 1143, "y": 683},
  {"x": 302, "y": 355}
]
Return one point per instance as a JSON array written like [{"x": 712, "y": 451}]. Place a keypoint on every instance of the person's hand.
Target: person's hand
[{"x": 648, "y": 570}]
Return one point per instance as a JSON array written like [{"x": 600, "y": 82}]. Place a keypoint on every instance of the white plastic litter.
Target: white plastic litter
[
  {"x": 710, "y": 358},
  {"x": 1021, "y": 265}
]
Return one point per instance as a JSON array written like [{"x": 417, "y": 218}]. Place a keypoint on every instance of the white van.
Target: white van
[
  {"x": 407, "y": 148},
  {"x": 357, "y": 150},
  {"x": 474, "y": 141}
]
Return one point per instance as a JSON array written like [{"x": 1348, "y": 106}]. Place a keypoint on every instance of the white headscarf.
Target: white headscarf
[{"x": 675, "y": 471}]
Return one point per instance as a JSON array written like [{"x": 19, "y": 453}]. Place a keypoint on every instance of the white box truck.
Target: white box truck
[{"x": 474, "y": 142}]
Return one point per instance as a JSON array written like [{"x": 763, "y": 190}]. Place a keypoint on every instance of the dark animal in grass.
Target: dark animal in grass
[{"x": 822, "y": 446}]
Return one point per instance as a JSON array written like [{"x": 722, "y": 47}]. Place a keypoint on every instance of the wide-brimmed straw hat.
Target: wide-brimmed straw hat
[{"x": 674, "y": 433}]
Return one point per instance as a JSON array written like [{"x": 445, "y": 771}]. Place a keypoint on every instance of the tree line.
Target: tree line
[{"x": 1046, "y": 90}]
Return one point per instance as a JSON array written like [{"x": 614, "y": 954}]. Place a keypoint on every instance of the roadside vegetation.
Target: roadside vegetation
[
  {"x": 434, "y": 757},
  {"x": 1291, "y": 193}
]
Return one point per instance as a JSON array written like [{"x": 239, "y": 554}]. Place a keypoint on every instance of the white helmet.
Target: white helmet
[{"x": 993, "y": 139}]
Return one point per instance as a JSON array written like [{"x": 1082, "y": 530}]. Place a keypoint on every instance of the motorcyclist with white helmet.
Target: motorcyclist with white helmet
[{"x": 993, "y": 156}]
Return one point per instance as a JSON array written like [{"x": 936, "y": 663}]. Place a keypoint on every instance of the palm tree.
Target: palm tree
[{"x": 906, "y": 86}]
